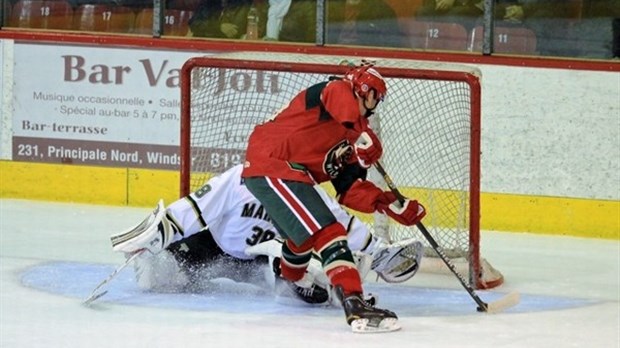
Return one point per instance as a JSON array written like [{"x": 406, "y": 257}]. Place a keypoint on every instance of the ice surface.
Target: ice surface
[{"x": 52, "y": 255}]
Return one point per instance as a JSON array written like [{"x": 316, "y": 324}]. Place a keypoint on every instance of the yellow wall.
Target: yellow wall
[
  {"x": 143, "y": 187},
  {"x": 551, "y": 215},
  {"x": 85, "y": 184}
]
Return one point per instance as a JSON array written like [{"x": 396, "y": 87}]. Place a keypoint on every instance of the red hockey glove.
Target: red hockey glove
[
  {"x": 409, "y": 213},
  {"x": 365, "y": 197},
  {"x": 368, "y": 148}
]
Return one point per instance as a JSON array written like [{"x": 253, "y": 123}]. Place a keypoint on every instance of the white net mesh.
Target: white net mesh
[{"x": 427, "y": 124}]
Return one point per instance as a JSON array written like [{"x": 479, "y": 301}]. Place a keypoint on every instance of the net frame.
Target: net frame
[{"x": 392, "y": 68}]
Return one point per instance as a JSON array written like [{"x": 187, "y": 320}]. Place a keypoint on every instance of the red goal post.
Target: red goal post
[{"x": 429, "y": 125}]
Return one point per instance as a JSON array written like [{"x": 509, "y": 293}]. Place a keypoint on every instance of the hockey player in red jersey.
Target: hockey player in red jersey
[{"x": 323, "y": 134}]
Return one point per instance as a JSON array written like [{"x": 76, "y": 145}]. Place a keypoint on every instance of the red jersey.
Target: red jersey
[{"x": 311, "y": 138}]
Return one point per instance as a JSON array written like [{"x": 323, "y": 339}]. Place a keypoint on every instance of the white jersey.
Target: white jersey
[{"x": 237, "y": 220}]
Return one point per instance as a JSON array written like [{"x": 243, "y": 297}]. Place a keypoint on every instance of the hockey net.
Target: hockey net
[{"x": 429, "y": 125}]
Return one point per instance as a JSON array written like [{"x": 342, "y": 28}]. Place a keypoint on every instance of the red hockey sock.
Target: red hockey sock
[
  {"x": 295, "y": 259},
  {"x": 331, "y": 243}
]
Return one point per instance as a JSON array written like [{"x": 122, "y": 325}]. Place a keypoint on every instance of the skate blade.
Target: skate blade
[{"x": 385, "y": 325}]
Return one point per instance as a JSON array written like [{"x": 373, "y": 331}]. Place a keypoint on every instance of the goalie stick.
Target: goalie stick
[
  {"x": 510, "y": 300},
  {"x": 94, "y": 295}
]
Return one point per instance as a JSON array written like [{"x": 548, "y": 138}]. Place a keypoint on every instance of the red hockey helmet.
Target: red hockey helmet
[{"x": 365, "y": 79}]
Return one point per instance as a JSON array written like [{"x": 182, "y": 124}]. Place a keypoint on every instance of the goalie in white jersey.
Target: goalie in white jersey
[{"x": 222, "y": 230}]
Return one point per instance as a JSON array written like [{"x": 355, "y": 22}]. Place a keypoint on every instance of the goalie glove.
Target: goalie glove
[
  {"x": 368, "y": 148},
  {"x": 409, "y": 213},
  {"x": 155, "y": 233},
  {"x": 397, "y": 262}
]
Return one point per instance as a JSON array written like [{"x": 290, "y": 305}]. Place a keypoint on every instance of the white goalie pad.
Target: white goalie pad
[
  {"x": 159, "y": 272},
  {"x": 273, "y": 249},
  {"x": 363, "y": 261}
]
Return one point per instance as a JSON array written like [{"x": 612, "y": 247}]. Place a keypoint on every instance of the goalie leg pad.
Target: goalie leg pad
[
  {"x": 397, "y": 262},
  {"x": 154, "y": 233},
  {"x": 305, "y": 289},
  {"x": 311, "y": 288},
  {"x": 363, "y": 261},
  {"x": 159, "y": 272}
]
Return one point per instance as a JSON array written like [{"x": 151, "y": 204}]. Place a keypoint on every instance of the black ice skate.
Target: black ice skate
[
  {"x": 364, "y": 317},
  {"x": 310, "y": 293}
]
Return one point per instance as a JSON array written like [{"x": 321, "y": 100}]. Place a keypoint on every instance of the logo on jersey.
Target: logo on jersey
[
  {"x": 336, "y": 158},
  {"x": 203, "y": 191}
]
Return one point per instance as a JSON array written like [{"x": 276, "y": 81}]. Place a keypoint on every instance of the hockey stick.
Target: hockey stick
[
  {"x": 507, "y": 301},
  {"x": 94, "y": 295}
]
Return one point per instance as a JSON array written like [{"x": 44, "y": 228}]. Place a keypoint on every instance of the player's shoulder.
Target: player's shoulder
[
  {"x": 339, "y": 100},
  {"x": 228, "y": 179},
  {"x": 338, "y": 84},
  {"x": 339, "y": 90},
  {"x": 233, "y": 174}
]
